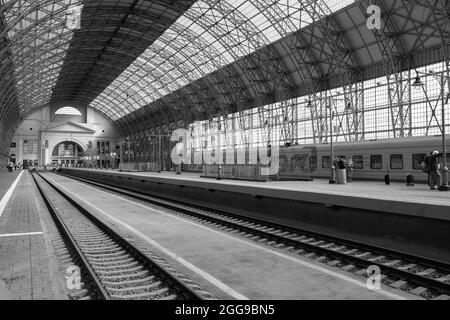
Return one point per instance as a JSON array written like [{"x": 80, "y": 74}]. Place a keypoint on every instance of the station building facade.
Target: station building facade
[{"x": 61, "y": 135}]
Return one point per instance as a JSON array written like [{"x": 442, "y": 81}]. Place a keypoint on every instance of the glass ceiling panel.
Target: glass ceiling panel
[
  {"x": 210, "y": 35},
  {"x": 39, "y": 36}
]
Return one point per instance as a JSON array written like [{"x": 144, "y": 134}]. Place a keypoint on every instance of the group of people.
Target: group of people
[
  {"x": 12, "y": 166},
  {"x": 341, "y": 163},
  {"x": 432, "y": 167}
]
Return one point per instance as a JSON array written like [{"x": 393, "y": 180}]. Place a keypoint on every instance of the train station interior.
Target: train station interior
[{"x": 224, "y": 150}]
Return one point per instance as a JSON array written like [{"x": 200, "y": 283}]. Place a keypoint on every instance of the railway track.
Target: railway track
[
  {"x": 419, "y": 276},
  {"x": 111, "y": 268}
]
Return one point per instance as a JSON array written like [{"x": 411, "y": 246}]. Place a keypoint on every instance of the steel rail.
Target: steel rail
[
  {"x": 86, "y": 269},
  {"x": 179, "y": 287}
]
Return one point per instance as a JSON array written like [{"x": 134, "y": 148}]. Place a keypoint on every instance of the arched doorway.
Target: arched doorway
[{"x": 67, "y": 153}]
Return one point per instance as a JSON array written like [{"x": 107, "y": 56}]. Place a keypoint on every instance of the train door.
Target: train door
[{"x": 284, "y": 165}]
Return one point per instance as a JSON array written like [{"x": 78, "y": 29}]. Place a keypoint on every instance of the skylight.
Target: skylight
[{"x": 210, "y": 35}]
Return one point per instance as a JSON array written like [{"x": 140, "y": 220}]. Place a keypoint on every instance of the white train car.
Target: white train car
[{"x": 372, "y": 159}]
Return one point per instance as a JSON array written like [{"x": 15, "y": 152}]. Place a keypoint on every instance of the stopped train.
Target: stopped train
[{"x": 372, "y": 159}]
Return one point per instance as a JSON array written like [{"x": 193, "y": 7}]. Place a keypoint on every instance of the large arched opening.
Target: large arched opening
[{"x": 67, "y": 153}]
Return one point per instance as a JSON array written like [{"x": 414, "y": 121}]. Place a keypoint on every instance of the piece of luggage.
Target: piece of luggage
[
  {"x": 409, "y": 180},
  {"x": 387, "y": 179}
]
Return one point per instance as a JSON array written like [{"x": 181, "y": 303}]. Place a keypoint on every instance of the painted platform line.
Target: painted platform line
[
  {"x": 9, "y": 193},
  {"x": 8, "y": 235}
]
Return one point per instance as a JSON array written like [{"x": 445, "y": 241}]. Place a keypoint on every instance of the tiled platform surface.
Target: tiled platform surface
[
  {"x": 6, "y": 180},
  {"x": 24, "y": 264},
  {"x": 396, "y": 198}
]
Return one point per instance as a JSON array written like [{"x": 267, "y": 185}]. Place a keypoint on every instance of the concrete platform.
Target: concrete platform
[
  {"x": 410, "y": 219},
  {"x": 395, "y": 198},
  {"x": 226, "y": 265},
  {"x": 24, "y": 264},
  {"x": 6, "y": 180}
]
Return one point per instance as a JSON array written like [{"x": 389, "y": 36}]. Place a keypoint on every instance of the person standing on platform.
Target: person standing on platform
[
  {"x": 435, "y": 178},
  {"x": 350, "y": 166},
  {"x": 342, "y": 163},
  {"x": 336, "y": 164},
  {"x": 341, "y": 171}
]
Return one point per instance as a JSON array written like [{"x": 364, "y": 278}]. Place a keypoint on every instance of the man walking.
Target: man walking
[{"x": 435, "y": 178}]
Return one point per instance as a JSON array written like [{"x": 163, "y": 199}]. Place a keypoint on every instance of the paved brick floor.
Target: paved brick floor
[
  {"x": 6, "y": 180},
  {"x": 24, "y": 264}
]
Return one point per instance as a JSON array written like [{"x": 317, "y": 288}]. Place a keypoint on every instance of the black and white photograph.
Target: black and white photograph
[{"x": 224, "y": 158}]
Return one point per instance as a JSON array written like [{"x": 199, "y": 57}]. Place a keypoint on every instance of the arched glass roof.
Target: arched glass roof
[
  {"x": 39, "y": 35},
  {"x": 208, "y": 36},
  {"x": 66, "y": 51},
  {"x": 129, "y": 54}
]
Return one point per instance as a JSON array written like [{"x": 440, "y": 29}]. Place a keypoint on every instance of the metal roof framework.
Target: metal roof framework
[
  {"x": 212, "y": 34},
  {"x": 337, "y": 50},
  {"x": 152, "y": 64},
  {"x": 69, "y": 51}
]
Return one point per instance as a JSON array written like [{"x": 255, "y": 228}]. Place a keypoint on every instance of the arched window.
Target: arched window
[
  {"x": 67, "y": 149},
  {"x": 69, "y": 111}
]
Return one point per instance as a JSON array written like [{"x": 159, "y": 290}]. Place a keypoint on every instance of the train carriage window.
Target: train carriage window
[
  {"x": 300, "y": 161},
  {"x": 326, "y": 162},
  {"x": 376, "y": 162},
  {"x": 358, "y": 162},
  {"x": 396, "y": 161},
  {"x": 295, "y": 161},
  {"x": 418, "y": 161}
]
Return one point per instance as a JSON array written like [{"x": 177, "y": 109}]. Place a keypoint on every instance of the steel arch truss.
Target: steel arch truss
[
  {"x": 37, "y": 39},
  {"x": 211, "y": 35},
  {"x": 315, "y": 53}
]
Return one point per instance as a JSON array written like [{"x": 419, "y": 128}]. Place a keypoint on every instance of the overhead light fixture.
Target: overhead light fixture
[
  {"x": 310, "y": 104},
  {"x": 418, "y": 82}
]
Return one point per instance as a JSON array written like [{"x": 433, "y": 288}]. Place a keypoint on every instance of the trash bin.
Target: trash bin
[{"x": 341, "y": 176}]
